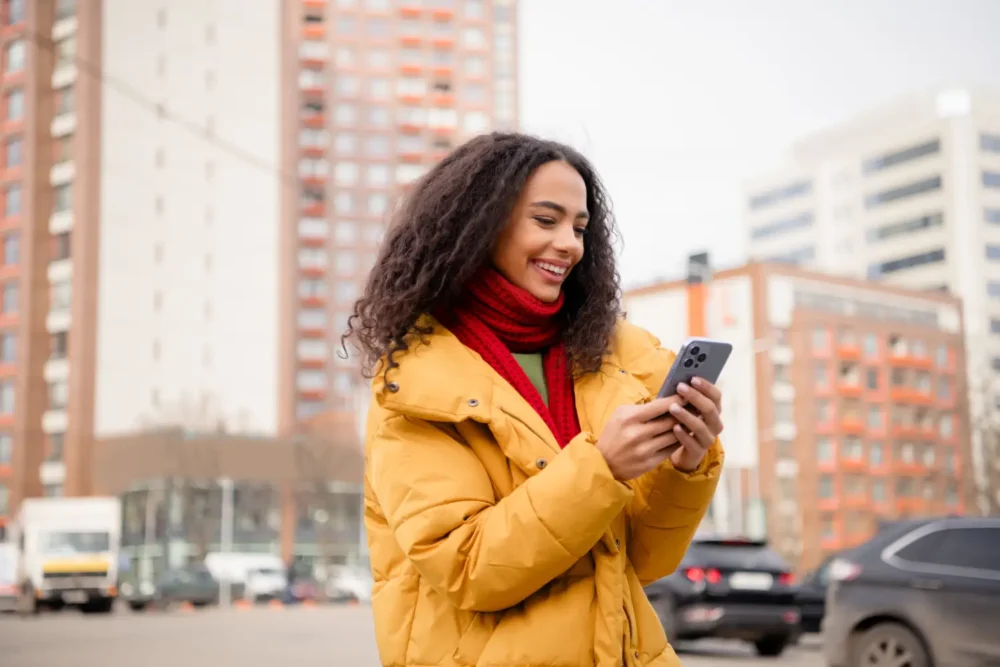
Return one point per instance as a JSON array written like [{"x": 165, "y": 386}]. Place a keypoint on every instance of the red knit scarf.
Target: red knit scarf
[{"x": 497, "y": 318}]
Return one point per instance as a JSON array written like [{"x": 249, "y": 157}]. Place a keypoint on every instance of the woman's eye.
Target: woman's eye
[
  {"x": 581, "y": 231},
  {"x": 545, "y": 221}
]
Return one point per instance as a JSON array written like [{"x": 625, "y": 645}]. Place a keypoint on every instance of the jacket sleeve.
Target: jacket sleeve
[
  {"x": 665, "y": 512},
  {"x": 668, "y": 505},
  {"x": 484, "y": 554}
]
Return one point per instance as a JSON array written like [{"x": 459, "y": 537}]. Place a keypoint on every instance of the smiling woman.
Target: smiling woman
[{"x": 520, "y": 475}]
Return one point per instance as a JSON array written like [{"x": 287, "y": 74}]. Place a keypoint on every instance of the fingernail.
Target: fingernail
[
  {"x": 696, "y": 382},
  {"x": 675, "y": 408},
  {"x": 682, "y": 387},
  {"x": 678, "y": 429}
]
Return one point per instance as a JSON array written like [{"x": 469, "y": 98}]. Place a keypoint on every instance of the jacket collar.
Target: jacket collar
[{"x": 443, "y": 380}]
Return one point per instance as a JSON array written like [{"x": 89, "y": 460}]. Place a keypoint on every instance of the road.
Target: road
[{"x": 321, "y": 636}]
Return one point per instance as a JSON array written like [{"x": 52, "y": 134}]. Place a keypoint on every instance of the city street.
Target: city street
[{"x": 322, "y": 636}]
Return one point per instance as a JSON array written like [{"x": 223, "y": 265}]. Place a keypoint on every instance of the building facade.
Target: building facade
[
  {"x": 844, "y": 401},
  {"x": 383, "y": 90},
  {"x": 909, "y": 195}
]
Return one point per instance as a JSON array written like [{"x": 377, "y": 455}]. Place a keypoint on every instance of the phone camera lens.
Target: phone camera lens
[
  {"x": 688, "y": 363},
  {"x": 702, "y": 357},
  {"x": 695, "y": 350}
]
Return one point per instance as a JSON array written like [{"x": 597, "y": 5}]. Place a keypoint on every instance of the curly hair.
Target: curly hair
[{"x": 444, "y": 232}]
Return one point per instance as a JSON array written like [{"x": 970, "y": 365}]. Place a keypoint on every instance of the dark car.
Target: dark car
[
  {"x": 811, "y": 597},
  {"x": 730, "y": 588},
  {"x": 193, "y": 584},
  {"x": 920, "y": 593}
]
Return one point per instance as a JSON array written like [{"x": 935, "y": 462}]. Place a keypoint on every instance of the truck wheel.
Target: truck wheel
[{"x": 101, "y": 606}]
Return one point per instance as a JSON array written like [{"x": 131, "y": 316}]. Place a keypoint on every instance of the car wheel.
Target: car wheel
[
  {"x": 137, "y": 606},
  {"x": 771, "y": 647},
  {"x": 889, "y": 644}
]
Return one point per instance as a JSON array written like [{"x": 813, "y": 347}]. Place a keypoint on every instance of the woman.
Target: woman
[{"x": 521, "y": 484}]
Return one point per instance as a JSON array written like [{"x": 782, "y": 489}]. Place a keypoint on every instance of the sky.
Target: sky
[{"x": 678, "y": 102}]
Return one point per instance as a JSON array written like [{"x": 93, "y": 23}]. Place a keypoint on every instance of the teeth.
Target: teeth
[{"x": 558, "y": 270}]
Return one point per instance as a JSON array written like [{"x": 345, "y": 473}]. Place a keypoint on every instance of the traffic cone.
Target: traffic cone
[
  {"x": 186, "y": 606},
  {"x": 242, "y": 603},
  {"x": 309, "y": 602},
  {"x": 276, "y": 604}
]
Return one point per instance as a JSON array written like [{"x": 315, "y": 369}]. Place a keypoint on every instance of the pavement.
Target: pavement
[{"x": 328, "y": 636}]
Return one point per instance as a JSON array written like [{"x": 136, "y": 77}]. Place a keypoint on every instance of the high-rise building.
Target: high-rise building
[
  {"x": 844, "y": 401},
  {"x": 907, "y": 194},
  {"x": 383, "y": 90},
  {"x": 192, "y": 194}
]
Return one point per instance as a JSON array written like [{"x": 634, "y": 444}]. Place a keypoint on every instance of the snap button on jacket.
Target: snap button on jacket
[{"x": 489, "y": 545}]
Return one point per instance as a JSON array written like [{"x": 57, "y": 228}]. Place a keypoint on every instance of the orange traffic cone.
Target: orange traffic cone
[
  {"x": 186, "y": 606},
  {"x": 276, "y": 604}
]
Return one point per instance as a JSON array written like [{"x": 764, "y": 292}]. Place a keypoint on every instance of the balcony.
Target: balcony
[
  {"x": 785, "y": 431},
  {"x": 787, "y": 468},
  {"x": 852, "y": 424},
  {"x": 62, "y": 173},
  {"x": 903, "y": 358},
  {"x": 61, "y": 222},
  {"x": 63, "y": 75},
  {"x": 782, "y": 354},
  {"x": 909, "y": 395},
  {"x": 52, "y": 472},
  {"x": 63, "y": 28},
  {"x": 58, "y": 321},
  {"x": 60, "y": 270},
  {"x": 55, "y": 421},
  {"x": 850, "y": 388},
  {"x": 783, "y": 391},
  {"x": 63, "y": 125},
  {"x": 56, "y": 370},
  {"x": 849, "y": 351}
]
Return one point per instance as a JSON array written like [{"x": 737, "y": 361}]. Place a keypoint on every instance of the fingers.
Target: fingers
[
  {"x": 697, "y": 427},
  {"x": 655, "y": 408},
  {"x": 689, "y": 453},
  {"x": 703, "y": 406},
  {"x": 709, "y": 390}
]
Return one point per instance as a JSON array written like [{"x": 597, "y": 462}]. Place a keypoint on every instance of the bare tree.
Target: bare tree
[
  {"x": 985, "y": 435},
  {"x": 315, "y": 496}
]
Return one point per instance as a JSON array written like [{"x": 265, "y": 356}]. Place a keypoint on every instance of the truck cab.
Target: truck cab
[{"x": 67, "y": 553}]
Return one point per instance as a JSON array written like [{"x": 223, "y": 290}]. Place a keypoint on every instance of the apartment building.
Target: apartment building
[
  {"x": 907, "y": 194},
  {"x": 192, "y": 195},
  {"x": 384, "y": 89},
  {"x": 844, "y": 401}
]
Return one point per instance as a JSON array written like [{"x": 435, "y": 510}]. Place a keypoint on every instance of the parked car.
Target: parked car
[
  {"x": 730, "y": 588},
  {"x": 811, "y": 597},
  {"x": 346, "y": 584},
  {"x": 265, "y": 583},
  {"x": 920, "y": 593},
  {"x": 192, "y": 583}
]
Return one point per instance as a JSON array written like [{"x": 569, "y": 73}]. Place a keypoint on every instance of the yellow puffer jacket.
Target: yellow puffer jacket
[{"x": 490, "y": 546}]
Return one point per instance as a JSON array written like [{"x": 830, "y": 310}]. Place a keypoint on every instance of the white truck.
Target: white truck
[{"x": 67, "y": 553}]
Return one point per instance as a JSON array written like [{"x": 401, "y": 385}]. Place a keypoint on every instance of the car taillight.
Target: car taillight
[
  {"x": 844, "y": 570},
  {"x": 786, "y": 578},
  {"x": 698, "y": 574}
]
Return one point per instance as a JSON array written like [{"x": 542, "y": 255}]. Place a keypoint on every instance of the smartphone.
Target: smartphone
[{"x": 698, "y": 357}]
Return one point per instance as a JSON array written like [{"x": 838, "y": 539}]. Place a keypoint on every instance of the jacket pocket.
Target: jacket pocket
[{"x": 473, "y": 640}]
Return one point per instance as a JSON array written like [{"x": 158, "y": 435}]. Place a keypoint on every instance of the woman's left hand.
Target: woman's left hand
[{"x": 696, "y": 433}]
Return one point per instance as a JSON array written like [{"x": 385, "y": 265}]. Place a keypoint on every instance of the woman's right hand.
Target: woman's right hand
[{"x": 638, "y": 438}]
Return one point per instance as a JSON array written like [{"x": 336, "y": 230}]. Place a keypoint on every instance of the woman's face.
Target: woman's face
[{"x": 543, "y": 239}]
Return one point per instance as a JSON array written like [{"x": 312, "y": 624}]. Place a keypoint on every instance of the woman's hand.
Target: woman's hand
[
  {"x": 638, "y": 438},
  {"x": 696, "y": 433}
]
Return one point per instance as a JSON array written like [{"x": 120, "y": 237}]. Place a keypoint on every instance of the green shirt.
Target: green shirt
[{"x": 532, "y": 366}]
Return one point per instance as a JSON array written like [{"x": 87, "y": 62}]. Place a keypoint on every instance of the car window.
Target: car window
[
  {"x": 956, "y": 547},
  {"x": 737, "y": 556}
]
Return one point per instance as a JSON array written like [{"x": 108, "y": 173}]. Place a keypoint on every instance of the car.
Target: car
[
  {"x": 811, "y": 597},
  {"x": 920, "y": 593},
  {"x": 193, "y": 584},
  {"x": 734, "y": 588}
]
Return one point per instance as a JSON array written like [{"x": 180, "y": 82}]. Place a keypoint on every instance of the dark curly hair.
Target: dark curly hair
[{"x": 444, "y": 232}]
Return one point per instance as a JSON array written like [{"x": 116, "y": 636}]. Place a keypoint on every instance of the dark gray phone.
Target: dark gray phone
[{"x": 698, "y": 357}]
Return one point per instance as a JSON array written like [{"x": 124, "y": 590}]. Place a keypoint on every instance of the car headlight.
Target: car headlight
[
  {"x": 147, "y": 588},
  {"x": 126, "y": 588}
]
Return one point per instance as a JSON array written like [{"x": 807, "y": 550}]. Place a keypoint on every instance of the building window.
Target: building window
[
  {"x": 901, "y": 156},
  {"x": 377, "y": 146},
  {"x": 379, "y": 116},
  {"x": 343, "y": 202},
  {"x": 15, "y": 12},
  {"x": 876, "y": 271},
  {"x": 313, "y": 228},
  {"x": 822, "y": 375},
  {"x": 992, "y": 216},
  {"x": 379, "y": 88},
  {"x": 58, "y": 395},
  {"x": 65, "y": 101},
  {"x": 8, "y": 347},
  {"x": 993, "y": 252},
  {"x": 346, "y": 26},
  {"x": 346, "y": 143},
  {"x": 14, "y": 56},
  {"x": 990, "y": 143},
  {"x": 345, "y": 263},
  {"x": 993, "y": 289},
  {"x": 348, "y": 86},
  {"x": 800, "y": 221},
  {"x": 10, "y": 294},
  {"x": 876, "y": 417},
  {"x": 378, "y": 204},
  {"x": 62, "y": 198},
  {"x": 310, "y": 288},
  {"x": 876, "y": 453},
  {"x": 907, "y": 226},
  {"x": 345, "y": 232},
  {"x": 825, "y": 486},
  {"x": 345, "y": 114},
  {"x": 378, "y": 175},
  {"x": 312, "y": 318},
  {"x": 60, "y": 296},
  {"x": 345, "y": 173},
  {"x": 903, "y": 192},
  {"x": 11, "y": 248},
  {"x": 311, "y": 380},
  {"x": 379, "y": 59},
  {"x": 824, "y": 449},
  {"x": 14, "y": 105},
  {"x": 6, "y": 397},
  {"x": 345, "y": 56},
  {"x": 820, "y": 339},
  {"x": 346, "y": 291},
  {"x": 58, "y": 345},
  {"x": 946, "y": 425},
  {"x": 311, "y": 348},
  {"x": 313, "y": 168},
  {"x": 66, "y": 9},
  {"x": 991, "y": 179},
  {"x": 824, "y": 412},
  {"x": 944, "y": 389},
  {"x": 12, "y": 200},
  {"x": 310, "y": 138},
  {"x": 6, "y": 450},
  {"x": 312, "y": 258},
  {"x": 13, "y": 152},
  {"x": 66, "y": 52}
]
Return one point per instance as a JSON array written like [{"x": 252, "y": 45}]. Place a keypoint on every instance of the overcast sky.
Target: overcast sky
[{"x": 676, "y": 102}]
